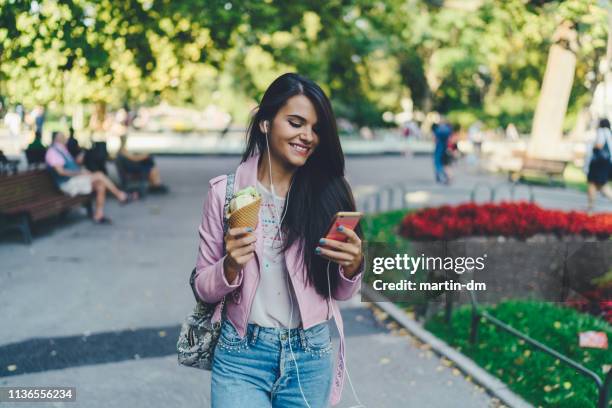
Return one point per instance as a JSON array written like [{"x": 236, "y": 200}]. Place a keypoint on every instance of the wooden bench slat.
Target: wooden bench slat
[
  {"x": 540, "y": 167},
  {"x": 35, "y": 193}
]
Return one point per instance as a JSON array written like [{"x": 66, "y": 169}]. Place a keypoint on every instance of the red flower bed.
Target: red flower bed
[{"x": 517, "y": 219}]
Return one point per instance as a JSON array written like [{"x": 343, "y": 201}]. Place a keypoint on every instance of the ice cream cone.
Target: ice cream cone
[{"x": 247, "y": 216}]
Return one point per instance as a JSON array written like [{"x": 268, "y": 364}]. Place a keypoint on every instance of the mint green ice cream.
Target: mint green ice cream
[{"x": 243, "y": 197}]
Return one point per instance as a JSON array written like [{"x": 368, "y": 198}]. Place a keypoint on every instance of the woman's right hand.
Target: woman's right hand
[{"x": 240, "y": 248}]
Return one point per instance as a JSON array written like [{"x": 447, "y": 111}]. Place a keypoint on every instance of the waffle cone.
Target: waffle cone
[{"x": 247, "y": 216}]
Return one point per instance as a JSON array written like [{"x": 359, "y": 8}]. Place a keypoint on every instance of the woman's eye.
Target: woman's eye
[{"x": 295, "y": 125}]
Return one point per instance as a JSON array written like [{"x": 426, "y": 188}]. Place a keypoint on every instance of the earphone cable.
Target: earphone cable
[{"x": 278, "y": 229}]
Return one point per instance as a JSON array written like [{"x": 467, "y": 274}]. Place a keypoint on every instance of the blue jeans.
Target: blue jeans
[
  {"x": 258, "y": 370},
  {"x": 439, "y": 152}
]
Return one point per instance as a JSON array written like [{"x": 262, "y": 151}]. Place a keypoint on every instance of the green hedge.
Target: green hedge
[
  {"x": 380, "y": 227},
  {"x": 538, "y": 377}
]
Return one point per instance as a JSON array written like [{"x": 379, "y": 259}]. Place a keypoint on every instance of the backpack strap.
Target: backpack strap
[
  {"x": 219, "y": 312},
  {"x": 61, "y": 153},
  {"x": 229, "y": 192}
]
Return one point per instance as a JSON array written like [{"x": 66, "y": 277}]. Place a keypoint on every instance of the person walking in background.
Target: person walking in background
[
  {"x": 37, "y": 143},
  {"x": 600, "y": 163},
  {"x": 512, "y": 133},
  {"x": 21, "y": 112},
  {"x": 13, "y": 123},
  {"x": 452, "y": 151},
  {"x": 39, "y": 114},
  {"x": 121, "y": 122},
  {"x": 72, "y": 144},
  {"x": 73, "y": 180},
  {"x": 442, "y": 132}
]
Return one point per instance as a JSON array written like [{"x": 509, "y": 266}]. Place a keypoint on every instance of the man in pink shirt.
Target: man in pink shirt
[{"x": 73, "y": 180}]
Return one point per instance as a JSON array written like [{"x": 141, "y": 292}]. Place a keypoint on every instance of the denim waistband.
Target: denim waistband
[{"x": 277, "y": 335}]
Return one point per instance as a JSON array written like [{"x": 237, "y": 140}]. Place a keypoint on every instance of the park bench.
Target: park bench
[
  {"x": 32, "y": 196},
  {"x": 552, "y": 170}
]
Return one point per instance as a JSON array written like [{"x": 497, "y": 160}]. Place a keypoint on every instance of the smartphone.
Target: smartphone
[{"x": 348, "y": 219}]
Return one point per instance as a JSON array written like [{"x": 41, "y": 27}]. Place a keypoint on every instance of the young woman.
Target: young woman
[
  {"x": 281, "y": 284},
  {"x": 600, "y": 164}
]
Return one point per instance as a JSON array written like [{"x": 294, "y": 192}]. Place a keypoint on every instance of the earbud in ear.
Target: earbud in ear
[{"x": 266, "y": 126}]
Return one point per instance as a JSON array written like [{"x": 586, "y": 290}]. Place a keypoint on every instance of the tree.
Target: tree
[{"x": 481, "y": 59}]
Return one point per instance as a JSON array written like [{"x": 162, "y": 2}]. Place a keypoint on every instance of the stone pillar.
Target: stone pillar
[{"x": 547, "y": 128}]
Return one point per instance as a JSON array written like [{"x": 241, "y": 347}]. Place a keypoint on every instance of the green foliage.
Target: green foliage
[
  {"x": 380, "y": 227},
  {"x": 484, "y": 59},
  {"x": 540, "y": 378},
  {"x": 382, "y": 241}
]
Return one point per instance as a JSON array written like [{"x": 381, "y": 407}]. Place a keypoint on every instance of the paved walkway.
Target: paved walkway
[
  {"x": 99, "y": 307},
  {"x": 368, "y": 175}
]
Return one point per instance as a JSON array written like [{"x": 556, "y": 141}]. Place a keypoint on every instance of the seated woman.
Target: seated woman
[
  {"x": 73, "y": 180},
  {"x": 141, "y": 164}
]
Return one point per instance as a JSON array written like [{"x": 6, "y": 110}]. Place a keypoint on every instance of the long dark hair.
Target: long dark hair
[{"x": 319, "y": 188}]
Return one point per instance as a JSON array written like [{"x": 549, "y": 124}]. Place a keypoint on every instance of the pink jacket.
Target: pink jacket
[{"x": 211, "y": 284}]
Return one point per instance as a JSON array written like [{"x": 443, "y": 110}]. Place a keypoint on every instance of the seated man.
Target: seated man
[
  {"x": 141, "y": 164},
  {"x": 73, "y": 180}
]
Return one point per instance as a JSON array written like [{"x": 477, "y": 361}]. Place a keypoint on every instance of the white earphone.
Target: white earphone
[{"x": 278, "y": 229}]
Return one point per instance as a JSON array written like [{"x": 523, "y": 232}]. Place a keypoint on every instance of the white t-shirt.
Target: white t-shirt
[
  {"x": 272, "y": 306},
  {"x": 603, "y": 136}
]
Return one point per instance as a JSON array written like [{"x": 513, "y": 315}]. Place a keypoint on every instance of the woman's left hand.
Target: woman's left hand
[{"x": 348, "y": 254}]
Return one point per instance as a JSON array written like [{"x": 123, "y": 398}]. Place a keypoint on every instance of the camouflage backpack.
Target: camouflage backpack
[{"x": 199, "y": 335}]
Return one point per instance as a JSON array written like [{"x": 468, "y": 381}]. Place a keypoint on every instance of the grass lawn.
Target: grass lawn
[
  {"x": 538, "y": 377},
  {"x": 573, "y": 177}
]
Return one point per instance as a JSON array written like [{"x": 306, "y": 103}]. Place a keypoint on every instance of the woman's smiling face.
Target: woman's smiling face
[{"x": 294, "y": 133}]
